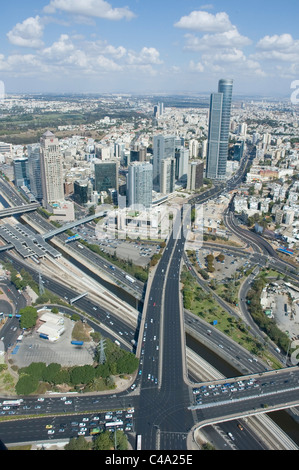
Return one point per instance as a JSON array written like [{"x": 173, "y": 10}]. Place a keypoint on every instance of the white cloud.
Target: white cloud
[
  {"x": 229, "y": 56},
  {"x": 103, "y": 48},
  {"x": 147, "y": 56},
  {"x": 91, "y": 8},
  {"x": 205, "y": 22},
  {"x": 232, "y": 62},
  {"x": 276, "y": 49},
  {"x": 285, "y": 41},
  {"x": 74, "y": 56},
  {"x": 59, "y": 49},
  {"x": 107, "y": 64},
  {"x": 220, "y": 45},
  {"x": 28, "y": 33},
  {"x": 196, "y": 67},
  {"x": 227, "y": 39},
  {"x": 18, "y": 64}
]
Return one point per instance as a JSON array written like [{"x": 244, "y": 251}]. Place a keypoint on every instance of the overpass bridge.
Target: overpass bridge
[
  {"x": 10, "y": 211},
  {"x": 85, "y": 220},
  {"x": 231, "y": 407}
]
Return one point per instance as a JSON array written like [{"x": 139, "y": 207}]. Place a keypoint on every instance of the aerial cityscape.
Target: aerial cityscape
[{"x": 149, "y": 228}]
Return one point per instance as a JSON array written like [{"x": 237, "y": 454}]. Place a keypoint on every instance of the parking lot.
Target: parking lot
[
  {"x": 225, "y": 269},
  {"x": 138, "y": 252},
  {"x": 32, "y": 348},
  {"x": 287, "y": 321}
]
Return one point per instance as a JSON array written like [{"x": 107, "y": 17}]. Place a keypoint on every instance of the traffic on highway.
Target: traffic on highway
[{"x": 162, "y": 405}]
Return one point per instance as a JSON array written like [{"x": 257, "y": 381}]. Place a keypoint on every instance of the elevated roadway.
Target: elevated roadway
[
  {"x": 19, "y": 210},
  {"x": 163, "y": 416},
  {"x": 70, "y": 225}
]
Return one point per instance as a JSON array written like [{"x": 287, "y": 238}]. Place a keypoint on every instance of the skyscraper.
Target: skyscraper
[
  {"x": 219, "y": 124},
  {"x": 167, "y": 179},
  {"x": 106, "y": 176},
  {"x": 181, "y": 163},
  {"x": 140, "y": 184},
  {"x": 195, "y": 175},
  {"x": 34, "y": 169},
  {"x": 21, "y": 174},
  {"x": 51, "y": 170},
  {"x": 164, "y": 147}
]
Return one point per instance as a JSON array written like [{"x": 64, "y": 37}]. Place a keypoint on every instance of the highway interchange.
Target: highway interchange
[{"x": 164, "y": 404}]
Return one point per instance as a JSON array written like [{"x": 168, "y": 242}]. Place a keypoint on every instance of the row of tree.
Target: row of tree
[
  {"x": 117, "y": 362},
  {"x": 266, "y": 324},
  {"x": 104, "y": 441}
]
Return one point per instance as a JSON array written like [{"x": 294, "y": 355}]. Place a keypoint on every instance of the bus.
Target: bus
[
  {"x": 12, "y": 402},
  {"x": 114, "y": 424},
  {"x": 138, "y": 444}
]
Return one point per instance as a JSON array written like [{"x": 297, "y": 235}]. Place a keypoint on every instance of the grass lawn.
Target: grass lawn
[{"x": 202, "y": 304}]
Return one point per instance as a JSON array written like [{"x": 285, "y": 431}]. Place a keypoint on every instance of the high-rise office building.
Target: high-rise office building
[
  {"x": 219, "y": 125},
  {"x": 159, "y": 110},
  {"x": 195, "y": 175},
  {"x": 164, "y": 147},
  {"x": 181, "y": 163},
  {"x": 167, "y": 179},
  {"x": 82, "y": 191},
  {"x": 51, "y": 170},
  {"x": 194, "y": 148},
  {"x": 21, "y": 173},
  {"x": 140, "y": 184},
  {"x": 106, "y": 176},
  {"x": 34, "y": 170}
]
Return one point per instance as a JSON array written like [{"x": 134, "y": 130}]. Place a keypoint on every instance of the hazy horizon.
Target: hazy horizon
[{"x": 149, "y": 47}]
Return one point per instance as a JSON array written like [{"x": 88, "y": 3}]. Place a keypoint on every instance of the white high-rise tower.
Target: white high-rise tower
[{"x": 51, "y": 170}]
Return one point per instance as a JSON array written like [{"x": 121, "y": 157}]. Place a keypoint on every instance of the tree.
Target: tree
[
  {"x": 28, "y": 317},
  {"x": 78, "y": 443},
  {"x": 26, "y": 384},
  {"x": 62, "y": 377},
  {"x": 82, "y": 375},
  {"x": 103, "y": 441},
  {"x": 121, "y": 441},
  {"x": 51, "y": 372},
  {"x": 35, "y": 369}
]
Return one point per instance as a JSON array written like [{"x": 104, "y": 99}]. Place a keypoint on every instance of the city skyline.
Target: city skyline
[{"x": 128, "y": 46}]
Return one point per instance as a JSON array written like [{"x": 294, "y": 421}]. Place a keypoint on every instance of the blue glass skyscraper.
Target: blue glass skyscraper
[{"x": 219, "y": 124}]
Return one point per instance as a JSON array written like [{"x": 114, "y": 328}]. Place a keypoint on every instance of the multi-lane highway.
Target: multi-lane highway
[
  {"x": 163, "y": 399},
  {"x": 117, "y": 276}
]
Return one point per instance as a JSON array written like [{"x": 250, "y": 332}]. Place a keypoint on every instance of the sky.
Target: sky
[{"x": 149, "y": 46}]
